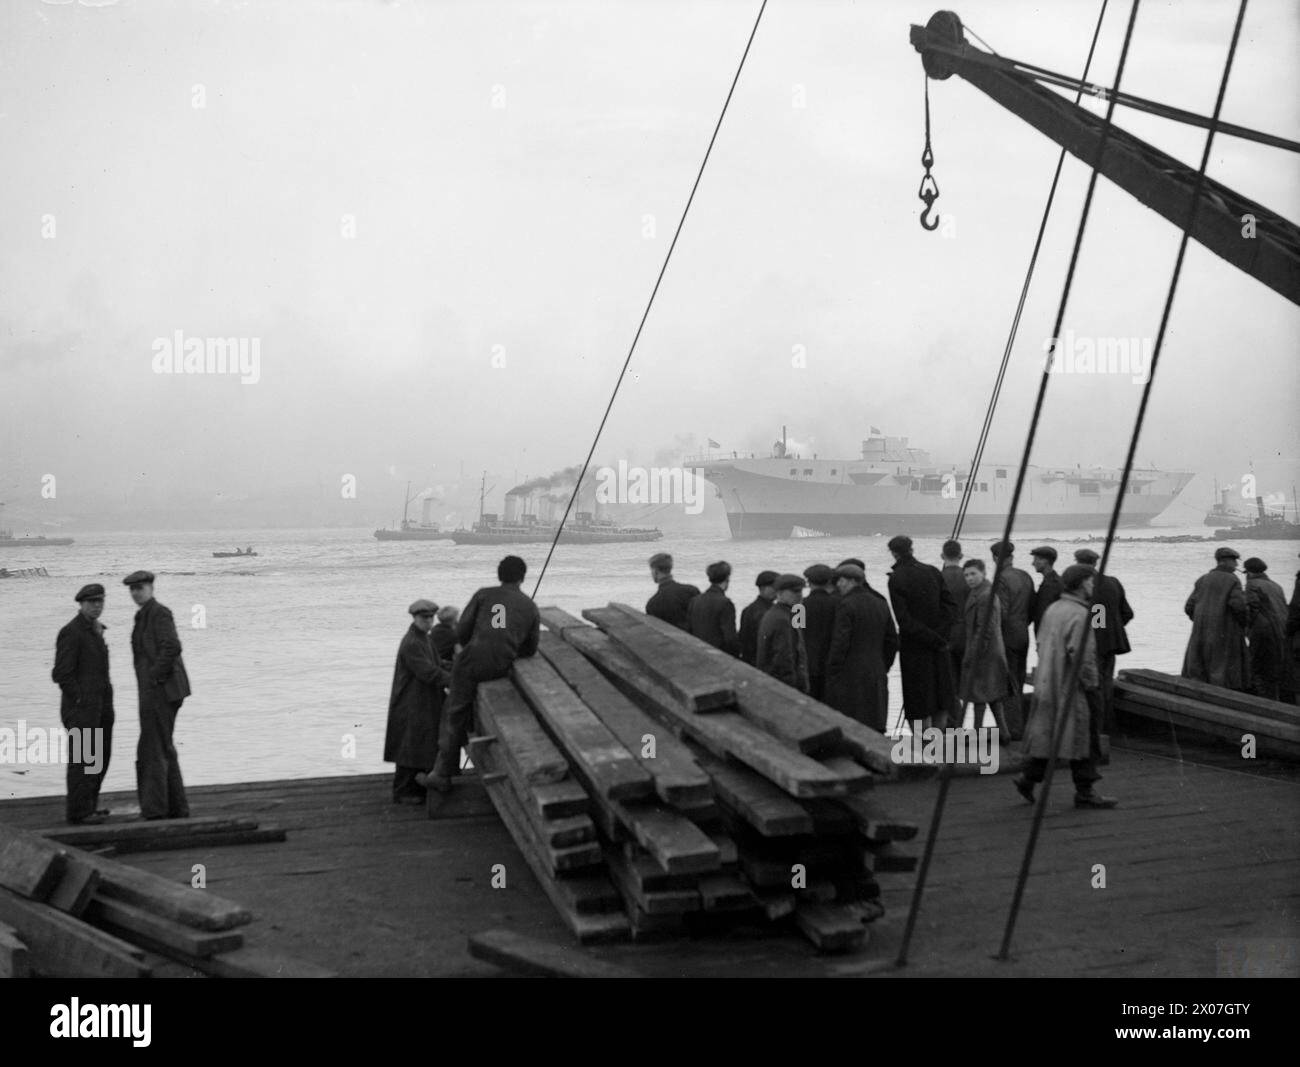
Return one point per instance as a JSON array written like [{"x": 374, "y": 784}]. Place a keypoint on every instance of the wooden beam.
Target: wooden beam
[
  {"x": 28, "y": 867},
  {"x": 76, "y": 887},
  {"x": 529, "y": 956},
  {"x": 118, "y": 833},
  {"x": 603, "y": 765},
  {"x": 160, "y": 935},
  {"x": 532, "y": 754},
  {"x": 60, "y": 946},
  {"x": 761, "y": 804},
  {"x": 678, "y": 779},
  {"x": 874, "y": 823},
  {"x": 830, "y": 928},
  {"x": 15, "y": 960},
  {"x": 676, "y": 843},
  {"x": 650, "y": 901},
  {"x": 1213, "y": 695},
  {"x": 1272, "y": 738}
]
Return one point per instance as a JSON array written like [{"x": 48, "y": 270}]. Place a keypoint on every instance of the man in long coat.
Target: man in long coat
[
  {"x": 86, "y": 705},
  {"x": 163, "y": 685},
  {"x": 752, "y": 617},
  {"x": 1065, "y": 649},
  {"x": 1015, "y": 590},
  {"x": 781, "y": 650},
  {"x": 1049, "y": 589},
  {"x": 1293, "y": 632},
  {"x": 1111, "y": 615},
  {"x": 984, "y": 675},
  {"x": 712, "y": 615},
  {"x": 1216, "y": 650},
  {"x": 925, "y": 611},
  {"x": 818, "y": 621},
  {"x": 955, "y": 579},
  {"x": 672, "y": 599},
  {"x": 499, "y": 625},
  {"x": 1270, "y": 658},
  {"x": 415, "y": 705},
  {"x": 862, "y": 648}
]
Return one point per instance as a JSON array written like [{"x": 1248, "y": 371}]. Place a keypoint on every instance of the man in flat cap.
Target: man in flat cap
[
  {"x": 443, "y": 634},
  {"x": 1015, "y": 591},
  {"x": 781, "y": 650},
  {"x": 926, "y": 612},
  {"x": 1111, "y": 615},
  {"x": 1067, "y": 669},
  {"x": 954, "y": 577},
  {"x": 415, "y": 706},
  {"x": 1216, "y": 649},
  {"x": 163, "y": 686},
  {"x": 818, "y": 621},
  {"x": 1050, "y": 588},
  {"x": 752, "y": 617},
  {"x": 86, "y": 706},
  {"x": 672, "y": 599},
  {"x": 499, "y": 625},
  {"x": 712, "y": 615},
  {"x": 862, "y": 648},
  {"x": 1270, "y": 658}
]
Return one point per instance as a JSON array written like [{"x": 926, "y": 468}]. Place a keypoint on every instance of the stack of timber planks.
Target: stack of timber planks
[
  {"x": 1211, "y": 710},
  {"x": 659, "y": 788},
  {"x": 68, "y": 913}
]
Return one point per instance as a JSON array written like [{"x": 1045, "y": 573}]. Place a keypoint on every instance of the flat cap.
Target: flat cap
[
  {"x": 790, "y": 581},
  {"x": 1076, "y": 574},
  {"x": 1255, "y": 565},
  {"x": 1226, "y": 553},
  {"x": 1002, "y": 548},
  {"x": 851, "y": 570},
  {"x": 1086, "y": 555},
  {"x": 1046, "y": 551},
  {"x": 855, "y": 562},
  {"x": 423, "y": 607},
  {"x": 766, "y": 578},
  {"x": 138, "y": 578},
  {"x": 818, "y": 574},
  {"x": 902, "y": 544},
  {"x": 94, "y": 591}
]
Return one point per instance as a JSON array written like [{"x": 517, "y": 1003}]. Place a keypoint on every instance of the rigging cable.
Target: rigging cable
[
  {"x": 650, "y": 303},
  {"x": 1077, "y": 666}
]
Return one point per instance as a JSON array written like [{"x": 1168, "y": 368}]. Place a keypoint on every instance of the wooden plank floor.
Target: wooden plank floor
[{"x": 1200, "y": 860}]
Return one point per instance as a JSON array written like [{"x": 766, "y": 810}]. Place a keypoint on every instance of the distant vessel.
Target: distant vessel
[
  {"x": 1220, "y": 512},
  {"x": 893, "y": 488},
  {"x": 424, "y": 530},
  {"x": 1265, "y": 527},
  {"x": 238, "y": 553},
  {"x": 8, "y": 540},
  {"x": 519, "y": 526}
]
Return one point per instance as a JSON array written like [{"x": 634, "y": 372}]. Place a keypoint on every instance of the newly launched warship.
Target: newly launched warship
[{"x": 894, "y": 488}]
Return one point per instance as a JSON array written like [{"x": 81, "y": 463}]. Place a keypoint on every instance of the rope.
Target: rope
[
  {"x": 650, "y": 303},
  {"x": 1076, "y": 668}
]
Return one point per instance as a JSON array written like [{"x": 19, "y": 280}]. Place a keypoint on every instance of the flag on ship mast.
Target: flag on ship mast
[{"x": 713, "y": 443}]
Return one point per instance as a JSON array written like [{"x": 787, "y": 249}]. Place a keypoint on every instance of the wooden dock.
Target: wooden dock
[{"x": 1202, "y": 866}]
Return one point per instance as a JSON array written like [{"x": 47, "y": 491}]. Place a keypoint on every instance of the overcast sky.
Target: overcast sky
[{"x": 499, "y": 161}]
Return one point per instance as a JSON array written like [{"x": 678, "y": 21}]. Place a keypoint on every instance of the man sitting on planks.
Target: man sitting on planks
[
  {"x": 712, "y": 615},
  {"x": 415, "y": 706},
  {"x": 499, "y": 625},
  {"x": 672, "y": 600}
]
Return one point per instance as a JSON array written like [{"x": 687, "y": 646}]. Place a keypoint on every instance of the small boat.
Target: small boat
[{"x": 239, "y": 553}]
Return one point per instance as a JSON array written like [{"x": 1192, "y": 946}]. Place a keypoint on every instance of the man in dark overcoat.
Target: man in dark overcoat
[
  {"x": 1270, "y": 658},
  {"x": 1216, "y": 649},
  {"x": 672, "y": 599},
  {"x": 1111, "y": 615},
  {"x": 926, "y": 612},
  {"x": 712, "y": 615},
  {"x": 415, "y": 706},
  {"x": 862, "y": 648},
  {"x": 1015, "y": 590},
  {"x": 818, "y": 621},
  {"x": 781, "y": 650},
  {"x": 86, "y": 705},
  {"x": 752, "y": 616}
]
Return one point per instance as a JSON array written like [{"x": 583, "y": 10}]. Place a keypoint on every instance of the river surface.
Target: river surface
[{"x": 292, "y": 664}]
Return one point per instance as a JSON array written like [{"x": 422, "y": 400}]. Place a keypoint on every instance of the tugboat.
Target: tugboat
[
  {"x": 8, "y": 540},
  {"x": 1266, "y": 527},
  {"x": 1220, "y": 512},
  {"x": 424, "y": 530}
]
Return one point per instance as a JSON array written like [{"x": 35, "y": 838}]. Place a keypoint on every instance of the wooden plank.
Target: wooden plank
[
  {"x": 251, "y": 962},
  {"x": 697, "y": 684},
  {"x": 887, "y": 858},
  {"x": 855, "y": 777},
  {"x": 529, "y": 956},
  {"x": 725, "y": 892},
  {"x": 76, "y": 887},
  {"x": 1214, "y": 695},
  {"x": 650, "y": 901},
  {"x": 805, "y": 724},
  {"x": 1224, "y": 716},
  {"x": 1222, "y": 723},
  {"x": 117, "y": 833},
  {"x": 15, "y": 960},
  {"x": 775, "y": 904},
  {"x": 60, "y": 946},
  {"x": 556, "y": 800},
  {"x": 602, "y": 764},
  {"x": 830, "y": 928},
  {"x": 557, "y": 620},
  {"x": 678, "y": 779},
  {"x": 160, "y": 935},
  {"x": 761, "y": 804},
  {"x": 218, "y": 839},
  {"x": 723, "y": 733},
  {"x": 531, "y": 753},
  {"x": 874, "y": 823},
  {"x": 553, "y": 836},
  {"x": 29, "y": 868},
  {"x": 649, "y": 876},
  {"x": 585, "y": 927},
  {"x": 676, "y": 843}
]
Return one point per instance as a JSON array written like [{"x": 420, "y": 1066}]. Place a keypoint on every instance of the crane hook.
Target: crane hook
[{"x": 928, "y": 192}]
